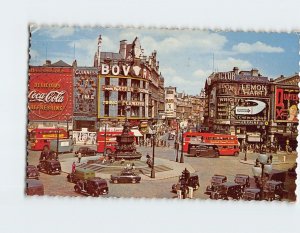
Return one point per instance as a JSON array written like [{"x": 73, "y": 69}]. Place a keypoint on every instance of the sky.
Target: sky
[{"x": 186, "y": 57}]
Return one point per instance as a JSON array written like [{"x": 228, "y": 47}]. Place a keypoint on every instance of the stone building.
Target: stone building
[{"x": 128, "y": 84}]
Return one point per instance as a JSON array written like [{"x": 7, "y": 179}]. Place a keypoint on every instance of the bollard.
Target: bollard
[
  {"x": 179, "y": 194},
  {"x": 191, "y": 192}
]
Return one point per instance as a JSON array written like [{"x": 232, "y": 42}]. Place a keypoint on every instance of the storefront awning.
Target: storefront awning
[{"x": 136, "y": 133}]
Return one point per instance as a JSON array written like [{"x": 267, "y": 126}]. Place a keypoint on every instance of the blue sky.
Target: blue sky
[{"x": 185, "y": 56}]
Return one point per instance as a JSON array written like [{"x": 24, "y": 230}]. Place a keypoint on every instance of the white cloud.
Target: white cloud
[
  {"x": 175, "y": 41},
  {"x": 202, "y": 73},
  {"x": 257, "y": 47},
  {"x": 56, "y": 32},
  {"x": 230, "y": 62}
]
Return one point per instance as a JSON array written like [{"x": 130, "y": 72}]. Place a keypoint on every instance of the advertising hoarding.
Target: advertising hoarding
[
  {"x": 50, "y": 93},
  {"x": 286, "y": 105}
]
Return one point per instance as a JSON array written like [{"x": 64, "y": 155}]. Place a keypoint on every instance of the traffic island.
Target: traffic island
[{"x": 164, "y": 168}]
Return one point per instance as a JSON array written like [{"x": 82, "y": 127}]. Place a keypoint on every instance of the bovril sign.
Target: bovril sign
[{"x": 125, "y": 70}]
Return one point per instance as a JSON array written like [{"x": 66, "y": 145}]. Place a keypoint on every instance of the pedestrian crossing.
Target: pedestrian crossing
[{"x": 110, "y": 170}]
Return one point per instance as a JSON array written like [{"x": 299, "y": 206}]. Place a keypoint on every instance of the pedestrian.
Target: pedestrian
[
  {"x": 73, "y": 167},
  {"x": 122, "y": 161},
  {"x": 79, "y": 157}
]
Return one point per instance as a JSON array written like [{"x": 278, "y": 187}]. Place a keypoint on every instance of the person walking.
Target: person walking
[
  {"x": 79, "y": 157},
  {"x": 73, "y": 167}
]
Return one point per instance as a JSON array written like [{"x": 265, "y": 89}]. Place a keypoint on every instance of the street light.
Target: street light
[
  {"x": 153, "y": 153},
  {"x": 177, "y": 139},
  {"x": 181, "y": 156},
  {"x": 263, "y": 166}
]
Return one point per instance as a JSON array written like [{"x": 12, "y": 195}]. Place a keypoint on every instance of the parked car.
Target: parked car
[
  {"x": 92, "y": 186},
  {"x": 49, "y": 166},
  {"x": 292, "y": 171},
  {"x": 227, "y": 190},
  {"x": 216, "y": 180},
  {"x": 277, "y": 175},
  {"x": 80, "y": 174},
  {"x": 203, "y": 150},
  {"x": 274, "y": 190},
  {"x": 242, "y": 180},
  {"x": 85, "y": 151},
  {"x": 32, "y": 172},
  {"x": 186, "y": 180},
  {"x": 251, "y": 194},
  {"x": 126, "y": 176},
  {"x": 34, "y": 187}
]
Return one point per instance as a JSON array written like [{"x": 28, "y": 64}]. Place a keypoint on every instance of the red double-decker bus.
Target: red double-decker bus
[
  {"x": 227, "y": 144},
  {"x": 41, "y": 137}
]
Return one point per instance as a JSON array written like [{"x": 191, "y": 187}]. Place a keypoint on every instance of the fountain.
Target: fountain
[{"x": 125, "y": 148}]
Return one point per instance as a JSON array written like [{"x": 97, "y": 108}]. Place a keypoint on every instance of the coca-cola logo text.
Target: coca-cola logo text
[{"x": 48, "y": 97}]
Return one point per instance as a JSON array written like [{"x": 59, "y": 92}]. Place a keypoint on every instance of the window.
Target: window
[
  {"x": 122, "y": 96},
  {"x": 122, "y": 82},
  {"x": 106, "y": 95},
  {"x": 107, "y": 81},
  {"x": 106, "y": 110},
  {"x": 135, "y": 111},
  {"x": 121, "y": 111}
]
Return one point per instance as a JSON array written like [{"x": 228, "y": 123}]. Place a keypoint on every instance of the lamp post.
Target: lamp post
[
  {"x": 105, "y": 128},
  {"x": 57, "y": 138},
  {"x": 263, "y": 166},
  {"x": 153, "y": 155},
  {"x": 181, "y": 156},
  {"x": 245, "y": 149},
  {"x": 177, "y": 139}
]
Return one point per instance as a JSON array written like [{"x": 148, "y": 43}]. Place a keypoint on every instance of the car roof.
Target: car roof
[
  {"x": 33, "y": 183},
  {"x": 254, "y": 190},
  {"x": 229, "y": 184}
]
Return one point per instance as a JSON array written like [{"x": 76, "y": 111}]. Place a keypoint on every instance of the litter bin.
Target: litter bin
[
  {"x": 179, "y": 195},
  {"x": 191, "y": 192}
]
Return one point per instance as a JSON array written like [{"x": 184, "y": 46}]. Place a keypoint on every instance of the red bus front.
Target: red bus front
[
  {"x": 40, "y": 138},
  {"x": 227, "y": 144}
]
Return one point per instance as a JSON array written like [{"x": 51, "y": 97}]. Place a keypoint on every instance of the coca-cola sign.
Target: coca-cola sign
[
  {"x": 50, "y": 94},
  {"x": 50, "y": 97}
]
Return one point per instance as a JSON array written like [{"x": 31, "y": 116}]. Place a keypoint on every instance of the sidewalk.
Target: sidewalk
[{"x": 175, "y": 169}]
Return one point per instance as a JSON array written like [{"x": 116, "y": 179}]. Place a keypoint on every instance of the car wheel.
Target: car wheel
[
  {"x": 115, "y": 181},
  {"x": 215, "y": 196},
  {"x": 108, "y": 151},
  {"x": 77, "y": 190},
  {"x": 49, "y": 172},
  {"x": 236, "y": 154},
  {"x": 133, "y": 181}
]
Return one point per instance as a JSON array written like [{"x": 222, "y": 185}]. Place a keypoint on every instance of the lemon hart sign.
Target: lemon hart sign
[{"x": 50, "y": 93}]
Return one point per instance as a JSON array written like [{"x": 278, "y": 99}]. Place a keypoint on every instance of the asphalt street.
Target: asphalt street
[{"x": 205, "y": 168}]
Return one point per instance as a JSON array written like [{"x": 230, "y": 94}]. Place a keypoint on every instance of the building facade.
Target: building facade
[
  {"x": 170, "y": 105},
  {"x": 284, "y": 113},
  {"x": 238, "y": 103},
  {"x": 128, "y": 85}
]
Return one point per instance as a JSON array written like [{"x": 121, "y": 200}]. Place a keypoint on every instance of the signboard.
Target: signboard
[
  {"x": 50, "y": 93},
  {"x": 250, "y": 110},
  {"x": 286, "y": 105},
  {"x": 85, "y": 91},
  {"x": 257, "y": 90}
]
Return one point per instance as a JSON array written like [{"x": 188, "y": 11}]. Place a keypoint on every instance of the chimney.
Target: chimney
[
  {"x": 254, "y": 72},
  {"x": 236, "y": 70},
  {"x": 122, "y": 51},
  {"x": 48, "y": 63}
]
